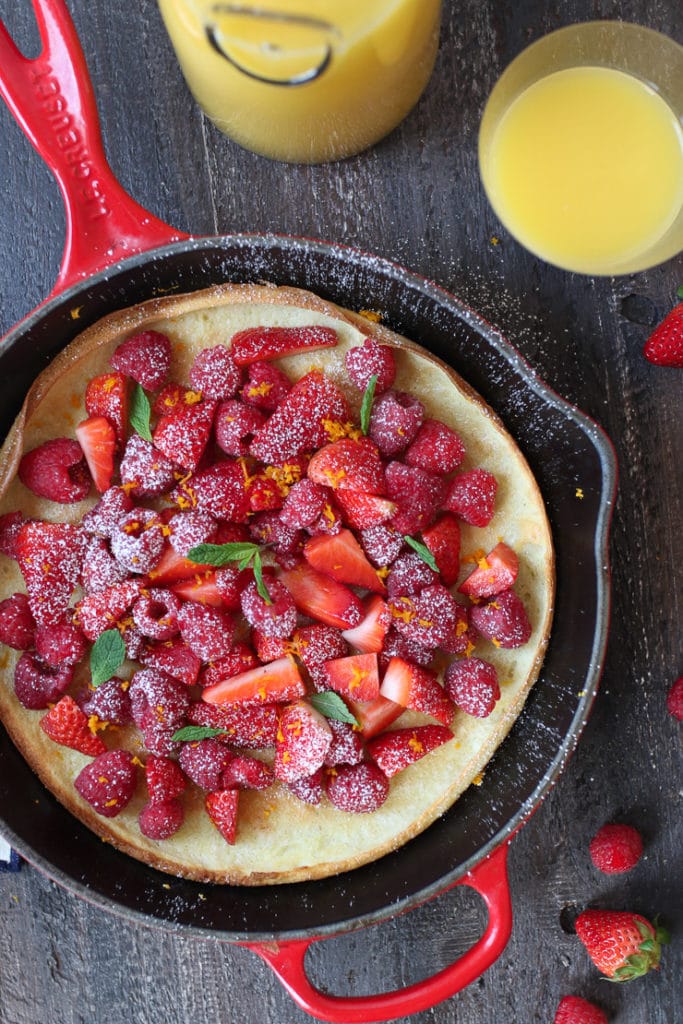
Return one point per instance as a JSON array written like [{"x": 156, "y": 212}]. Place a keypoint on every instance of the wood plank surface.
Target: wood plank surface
[{"x": 415, "y": 198}]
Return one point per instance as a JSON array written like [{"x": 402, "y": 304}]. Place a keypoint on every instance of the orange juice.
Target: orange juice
[
  {"x": 305, "y": 80},
  {"x": 585, "y": 168}
]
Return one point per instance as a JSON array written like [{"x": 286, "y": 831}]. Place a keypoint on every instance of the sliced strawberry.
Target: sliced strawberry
[
  {"x": 200, "y": 588},
  {"x": 10, "y": 524},
  {"x": 443, "y": 540},
  {"x": 50, "y": 558},
  {"x": 361, "y": 510},
  {"x": 107, "y": 395},
  {"x": 416, "y": 688},
  {"x": 103, "y": 610},
  {"x": 221, "y": 807},
  {"x": 303, "y": 420},
  {"x": 220, "y": 490},
  {"x": 369, "y": 635},
  {"x": 375, "y": 715},
  {"x": 316, "y": 644},
  {"x": 496, "y": 572},
  {"x": 323, "y": 598},
  {"x": 258, "y": 343},
  {"x": 357, "y": 788},
  {"x": 183, "y": 433},
  {"x": 342, "y": 559},
  {"x": 278, "y": 681},
  {"x": 97, "y": 438},
  {"x": 393, "y": 751},
  {"x": 356, "y": 676},
  {"x": 239, "y": 658},
  {"x": 348, "y": 464},
  {"x": 251, "y": 726},
  {"x": 172, "y": 567},
  {"x": 303, "y": 741},
  {"x": 66, "y": 724},
  {"x": 174, "y": 658}
]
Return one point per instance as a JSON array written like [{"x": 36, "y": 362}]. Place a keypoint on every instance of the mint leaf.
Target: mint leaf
[
  {"x": 423, "y": 551},
  {"x": 223, "y": 554},
  {"x": 140, "y": 413},
  {"x": 106, "y": 657},
  {"x": 366, "y": 405},
  {"x": 192, "y": 733},
  {"x": 331, "y": 705},
  {"x": 260, "y": 582}
]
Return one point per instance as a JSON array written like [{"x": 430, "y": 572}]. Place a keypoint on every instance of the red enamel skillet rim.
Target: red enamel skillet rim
[{"x": 52, "y": 99}]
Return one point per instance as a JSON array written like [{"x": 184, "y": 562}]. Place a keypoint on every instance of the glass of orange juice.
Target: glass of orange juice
[
  {"x": 581, "y": 148},
  {"x": 305, "y": 80}
]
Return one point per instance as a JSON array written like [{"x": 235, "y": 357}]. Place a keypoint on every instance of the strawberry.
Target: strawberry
[
  {"x": 674, "y": 699},
  {"x": 220, "y": 490},
  {"x": 357, "y": 788},
  {"x": 574, "y": 1010},
  {"x": 108, "y": 782},
  {"x": 471, "y": 496},
  {"x": 253, "y": 726},
  {"x": 107, "y": 395},
  {"x": 221, "y": 807},
  {"x": 165, "y": 780},
  {"x": 173, "y": 567},
  {"x": 616, "y": 848},
  {"x": 416, "y": 688},
  {"x": 323, "y": 598},
  {"x": 664, "y": 347},
  {"x": 375, "y": 715},
  {"x": 368, "y": 636},
  {"x": 101, "y": 611},
  {"x": 258, "y": 343},
  {"x": 50, "y": 558},
  {"x": 17, "y": 625},
  {"x": 622, "y": 945},
  {"x": 161, "y": 819},
  {"x": 495, "y": 572},
  {"x": 348, "y": 464},
  {"x": 502, "y": 620},
  {"x": 215, "y": 373},
  {"x": 278, "y": 681},
  {"x": 201, "y": 588},
  {"x": 342, "y": 559},
  {"x": 182, "y": 434},
  {"x": 146, "y": 357},
  {"x": 316, "y": 644},
  {"x": 174, "y": 658},
  {"x": 443, "y": 540},
  {"x": 361, "y": 510},
  {"x": 10, "y": 524},
  {"x": 56, "y": 470},
  {"x": 371, "y": 360},
  {"x": 66, "y": 724},
  {"x": 395, "y": 750},
  {"x": 303, "y": 740},
  {"x": 302, "y": 419},
  {"x": 356, "y": 676}
]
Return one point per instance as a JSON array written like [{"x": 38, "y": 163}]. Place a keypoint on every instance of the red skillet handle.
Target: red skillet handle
[
  {"x": 52, "y": 99},
  {"x": 489, "y": 879}
]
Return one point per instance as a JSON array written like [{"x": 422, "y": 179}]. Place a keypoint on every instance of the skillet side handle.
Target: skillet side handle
[
  {"x": 52, "y": 99},
  {"x": 489, "y": 879}
]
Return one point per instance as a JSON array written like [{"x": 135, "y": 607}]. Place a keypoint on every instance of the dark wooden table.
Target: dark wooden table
[{"x": 416, "y": 199}]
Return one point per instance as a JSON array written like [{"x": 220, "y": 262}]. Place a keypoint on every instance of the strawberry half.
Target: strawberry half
[
  {"x": 107, "y": 395},
  {"x": 394, "y": 751},
  {"x": 622, "y": 945},
  {"x": 253, "y": 726},
  {"x": 416, "y": 688},
  {"x": 369, "y": 635},
  {"x": 348, "y": 465},
  {"x": 323, "y": 598},
  {"x": 50, "y": 558},
  {"x": 356, "y": 676},
  {"x": 182, "y": 434},
  {"x": 443, "y": 540},
  {"x": 341, "y": 557},
  {"x": 303, "y": 740},
  {"x": 221, "y": 807},
  {"x": 664, "y": 347},
  {"x": 376, "y": 715},
  {"x": 278, "y": 681},
  {"x": 496, "y": 572},
  {"x": 362, "y": 510},
  {"x": 302, "y": 420},
  {"x": 258, "y": 343},
  {"x": 66, "y": 724},
  {"x": 97, "y": 438}
]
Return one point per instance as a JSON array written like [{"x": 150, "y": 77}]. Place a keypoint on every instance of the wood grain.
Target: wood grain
[{"x": 414, "y": 198}]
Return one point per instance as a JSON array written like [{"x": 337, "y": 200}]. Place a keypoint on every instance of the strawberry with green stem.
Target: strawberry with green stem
[
  {"x": 622, "y": 945},
  {"x": 664, "y": 347}
]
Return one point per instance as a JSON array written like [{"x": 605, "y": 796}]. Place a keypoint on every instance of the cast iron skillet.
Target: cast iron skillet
[{"x": 116, "y": 255}]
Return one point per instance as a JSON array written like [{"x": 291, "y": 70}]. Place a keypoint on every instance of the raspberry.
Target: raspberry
[
  {"x": 67, "y": 724},
  {"x": 265, "y": 495},
  {"x": 215, "y": 373},
  {"x": 100, "y": 568},
  {"x": 155, "y": 613},
  {"x": 395, "y": 420},
  {"x": 398, "y": 646},
  {"x": 145, "y": 472},
  {"x": 616, "y": 848},
  {"x": 101, "y": 611},
  {"x": 165, "y": 780},
  {"x": 347, "y": 745},
  {"x": 137, "y": 541},
  {"x": 303, "y": 740},
  {"x": 159, "y": 705},
  {"x": 56, "y": 470},
  {"x": 674, "y": 699},
  {"x": 10, "y": 525},
  {"x": 247, "y": 773},
  {"x": 253, "y": 726},
  {"x": 574, "y": 1010},
  {"x": 174, "y": 658},
  {"x": 304, "y": 504},
  {"x": 61, "y": 643},
  {"x": 269, "y": 530},
  {"x": 235, "y": 426},
  {"x": 146, "y": 357},
  {"x": 108, "y": 783},
  {"x": 429, "y": 617},
  {"x": 309, "y": 789},
  {"x": 409, "y": 573},
  {"x": 268, "y": 648},
  {"x": 38, "y": 685},
  {"x": 207, "y": 631},
  {"x": 220, "y": 490},
  {"x": 17, "y": 625},
  {"x": 472, "y": 495},
  {"x": 368, "y": 360},
  {"x": 436, "y": 448},
  {"x": 348, "y": 464},
  {"x": 204, "y": 762},
  {"x": 105, "y": 516},
  {"x": 170, "y": 396},
  {"x": 382, "y": 544},
  {"x": 109, "y": 701},
  {"x": 314, "y": 645},
  {"x": 419, "y": 496},
  {"x": 274, "y": 619},
  {"x": 358, "y": 789},
  {"x": 502, "y": 620},
  {"x": 266, "y": 386},
  {"x": 161, "y": 820},
  {"x": 190, "y": 529},
  {"x": 472, "y": 684}
]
